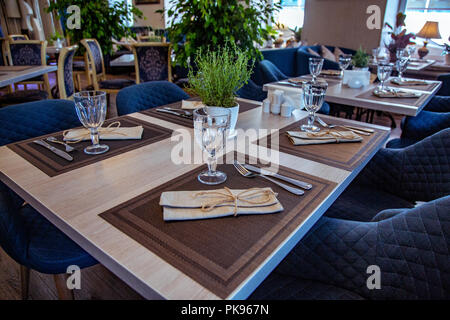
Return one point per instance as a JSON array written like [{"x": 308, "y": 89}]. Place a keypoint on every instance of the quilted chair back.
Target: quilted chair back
[
  {"x": 65, "y": 72},
  {"x": 152, "y": 61},
  {"x": 411, "y": 249},
  {"x": 27, "y": 52},
  {"x": 270, "y": 72},
  {"x": 148, "y": 95},
  {"x": 95, "y": 60},
  {"x": 424, "y": 124},
  {"x": 445, "y": 88},
  {"x": 28, "y": 120}
]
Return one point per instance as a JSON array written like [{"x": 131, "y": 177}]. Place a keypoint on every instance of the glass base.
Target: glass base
[
  {"x": 211, "y": 178},
  {"x": 98, "y": 149},
  {"x": 308, "y": 128}
]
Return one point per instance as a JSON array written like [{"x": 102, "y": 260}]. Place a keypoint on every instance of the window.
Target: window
[
  {"x": 291, "y": 13},
  {"x": 420, "y": 11}
]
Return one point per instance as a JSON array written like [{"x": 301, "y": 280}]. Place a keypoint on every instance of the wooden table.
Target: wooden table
[
  {"x": 13, "y": 74},
  {"x": 342, "y": 94},
  {"x": 74, "y": 200},
  {"x": 125, "y": 60}
]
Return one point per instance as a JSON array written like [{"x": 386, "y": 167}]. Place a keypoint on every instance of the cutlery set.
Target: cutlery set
[
  {"x": 358, "y": 130},
  {"x": 177, "y": 112}
]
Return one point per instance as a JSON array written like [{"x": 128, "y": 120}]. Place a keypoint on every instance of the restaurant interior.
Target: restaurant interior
[{"x": 225, "y": 150}]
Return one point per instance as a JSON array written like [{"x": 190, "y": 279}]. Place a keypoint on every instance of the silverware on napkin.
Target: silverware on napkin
[
  {"x": 247, "y": 174},
  {"x": 264, "y": 172},
  {"x": 359, "y": 130},
  {"x": 183, "y": 115},
  {"x": 56, "y": 151}
]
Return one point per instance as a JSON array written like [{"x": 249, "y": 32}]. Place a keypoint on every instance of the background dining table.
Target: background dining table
[
  {"x": 108, "y": 204},
  {"x": 13, "y": 74},
  {"x": 339, "y": 93}
]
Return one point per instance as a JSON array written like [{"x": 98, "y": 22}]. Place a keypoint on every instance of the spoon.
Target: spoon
[{"x": 54, "y": 140}]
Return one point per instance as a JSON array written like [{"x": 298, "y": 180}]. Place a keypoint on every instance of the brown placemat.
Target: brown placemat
[
  {"x": 340, "y": 155},
  {"x": 217, "y": 253},
  {"x": 186, "y": 122},
  {"x": 54, "y": 165},
  {"x": 416, "y": 102},
  {"x": 425, "y": 87}
]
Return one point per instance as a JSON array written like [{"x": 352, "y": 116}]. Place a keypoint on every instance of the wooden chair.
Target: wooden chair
[
  {"x": 15, "y": 37},
  {"x": 65, "y": 77},
  {"x": 152, "y": 61},
  {"x": 94, "y": 62},
  {"x": 30, "y": 53}
]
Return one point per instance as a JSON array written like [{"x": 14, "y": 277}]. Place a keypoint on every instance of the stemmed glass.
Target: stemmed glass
[
  {"x": 402, "y": 62},
  {"x": 210, "y": 131},
  {"x": 91, "y": 110},
  {"x": 315, "y": 67},
  {"x": 313, "y": 97},
  {"x": 384, "y": 72},
  {"x": 382, "y": 55},
  {"x": 344, "y": 61}
]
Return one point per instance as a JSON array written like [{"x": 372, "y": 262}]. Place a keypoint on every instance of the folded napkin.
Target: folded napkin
[
  {"x": 192, "y": 205},
  {"x": 301, "y": 138},
  {"x": 396, "y": 94},
  {"x": 191, "y": 105},
  {"x": 333, "y": 73},
  {"x": 409, "y": 82},
  {"x": 112, "y": 132}
]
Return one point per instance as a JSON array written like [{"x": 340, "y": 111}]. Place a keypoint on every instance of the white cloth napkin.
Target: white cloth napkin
[
  {"x": 192, "y": 205},
  {"x": 112, "y": 133},
  {"x": 396, "y": 94},
  {"x": 301, "y": 138},
  {"x": 191, "y": 105},
  {"x": 409, "y": 82}
]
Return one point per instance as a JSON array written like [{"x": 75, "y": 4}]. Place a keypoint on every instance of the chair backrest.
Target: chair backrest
[
  {"x": 23, "y": 121},
  {"x": 445, "y": 89},
  {"x": 15, "y": 37},
  {"x": 27, "y": 52},
  {"x": 148, "y": 95},
  {"x": 3, "y": 52},
  {"x": 95, "y": 60},
  {"x": 270, "y": 72},
  {"x": 152, "y": 61},
  {"x": 65, "y": 72}
]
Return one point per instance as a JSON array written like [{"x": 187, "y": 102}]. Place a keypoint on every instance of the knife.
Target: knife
[
  {"x": 174, "y": 113},
  {"x": 56, "y": 151},
  {"x": 295, "y": 182},
  {"x": 360, "y": 128}
]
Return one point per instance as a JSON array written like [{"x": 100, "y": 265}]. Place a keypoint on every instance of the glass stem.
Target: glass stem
[
  {"x": 212, "y": 163},
  {"x": 311, "y": 119},
  {"x": 94, "y": 136}
]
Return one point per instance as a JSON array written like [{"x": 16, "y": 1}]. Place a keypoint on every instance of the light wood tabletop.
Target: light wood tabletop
[
  {"x": 362, "y": 97},
  {"x": 13, "y": 74},
  {"x": 74, "y": 201},
  {"x": 125, "y": 60}
]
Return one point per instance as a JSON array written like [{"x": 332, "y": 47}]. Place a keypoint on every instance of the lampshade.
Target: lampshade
[{"x": 430, "y": 31}]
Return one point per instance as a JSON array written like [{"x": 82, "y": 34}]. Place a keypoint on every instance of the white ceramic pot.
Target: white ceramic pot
[{"x": 234, "y": 112}]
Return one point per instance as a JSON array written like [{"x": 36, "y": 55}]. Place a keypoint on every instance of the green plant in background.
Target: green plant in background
[
  {"x": 99, "y": 20},
  {"x": 219, "y": 74},
  {"x": 360, "y": 59},
  {"x": 297, "y": 33},
  {"x": 199, "y": 24},
  {"x": 55, "y": 37}
]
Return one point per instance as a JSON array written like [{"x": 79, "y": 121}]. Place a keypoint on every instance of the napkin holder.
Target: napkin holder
[{"x": 352, "y": 76}]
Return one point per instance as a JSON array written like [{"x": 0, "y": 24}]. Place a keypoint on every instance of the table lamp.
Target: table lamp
[{"x": 429, "y": 31}]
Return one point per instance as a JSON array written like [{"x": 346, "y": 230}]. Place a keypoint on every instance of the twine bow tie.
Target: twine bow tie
[
  {"x": 332, "y": 135},
  {"x": 109, "y": 129},
  {"x": 217, "y": 198}
]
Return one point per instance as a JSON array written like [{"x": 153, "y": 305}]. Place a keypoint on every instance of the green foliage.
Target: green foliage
[
  {"x": 199, "y": 24},
  {"x": 361, "y": 58},
  {"x": 297, "y": 33},
  {"x": 99, "y": 20},
  {"x": 219, "y": 75}
]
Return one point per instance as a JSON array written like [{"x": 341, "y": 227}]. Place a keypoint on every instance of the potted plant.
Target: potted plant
[
  {"x": 297, "y": 34},
  {"x": 202, "y": 24},
  {"x": 399, "y": 38},
  {"x": 217, "y": 77},
  {"x": 360, "y": 60}
]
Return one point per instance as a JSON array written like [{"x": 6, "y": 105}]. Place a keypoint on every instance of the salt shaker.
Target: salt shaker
[
  {"x": 286, "y": 110},
  {"x": 266, "y": 105}
]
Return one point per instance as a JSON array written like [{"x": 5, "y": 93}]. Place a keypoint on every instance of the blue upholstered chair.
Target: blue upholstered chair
[
  {"x": 148, "y": 95},
  {"x": 409, "y": 246},
  {"x": 433, "y": 118},
  {"x": 27, "y": 53},
  {"x": 25, "y": 234},
  {"x": 152, "y": 61},
  {"x": 445, "y": 88},
  {"x": 270, "y": 72},
  {"x": 303, "y": 56},
  {"x": 284, "y": 59},
  {"x": 398, "y": 178},
  {"x": 252, "y": 91}
]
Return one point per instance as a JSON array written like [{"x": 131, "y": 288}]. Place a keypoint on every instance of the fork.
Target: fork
[
  {"x": 323, "y": 124},
  {"x": 54, "y": 140},
  {"x": 247, "y": 174},
  {"x": 329, "y": 126}
]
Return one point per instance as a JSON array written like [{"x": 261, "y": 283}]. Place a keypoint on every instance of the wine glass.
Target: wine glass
[
  {"x": 210, "y": 131},
  {"x": 91, "y": 110},
  {"x": 344, "y": 61},
  {"x": 315, "y": 67},
  {"x": 401, "y": 64},
  {"x": 383, "y": 72},
  {"x": 313, "y": 97},
  {"x": 401, "y": 53},
  {"x": 410, "y": 50}
]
